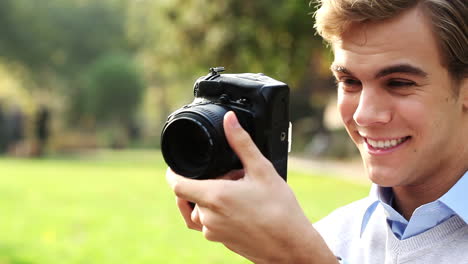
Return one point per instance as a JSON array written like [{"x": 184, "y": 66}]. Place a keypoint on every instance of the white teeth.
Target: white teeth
[
  {"x": 384, "y": 144},
  {"x": 387, "y": 144}
]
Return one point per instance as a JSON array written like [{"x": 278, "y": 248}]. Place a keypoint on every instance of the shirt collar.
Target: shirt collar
[
  {"x": 454, "y": 199},
  {"x": 374, "y": 202}
]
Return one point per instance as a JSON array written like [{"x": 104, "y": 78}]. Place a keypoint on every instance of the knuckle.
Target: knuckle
[
  {"x": 189, "y": 225},
  {"x": 210, "y": 222},
  {"x": 194, "y": 217},
  {"x": 180, "y": 203},
  {"x": 193, "y": 221},
  {"x": 262, "y": 166},
  {"x": 192, "y": 226},
  {"x": 209, "y": 234},
  {"x": 213, "y": 202},
  {"x": 219, "y": 199},
  {"x": 177, "y": 188}
]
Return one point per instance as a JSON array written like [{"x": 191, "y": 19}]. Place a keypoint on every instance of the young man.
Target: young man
[{"x": 403, "y": 97}]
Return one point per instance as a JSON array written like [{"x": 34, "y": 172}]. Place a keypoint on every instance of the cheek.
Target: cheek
[
  {"x": 347, "y": 107},
  {"x": 419, "y": 116}
]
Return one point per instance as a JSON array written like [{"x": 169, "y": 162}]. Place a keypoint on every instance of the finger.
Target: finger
[
  {"x": 186, "y": 211},
  {"x": 240, "y": 141},
  {"x": 195, "y": 217},
  {"x": 197, "y": 191},
  {"x": 185, "y": 188},
  {"x": 233, "y": 175}
]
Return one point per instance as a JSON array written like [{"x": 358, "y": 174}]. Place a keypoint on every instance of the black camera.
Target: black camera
[{"x": 193, "y": 143}]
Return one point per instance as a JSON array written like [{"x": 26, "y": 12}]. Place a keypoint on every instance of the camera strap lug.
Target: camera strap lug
[{"x": 215, "y": 72}]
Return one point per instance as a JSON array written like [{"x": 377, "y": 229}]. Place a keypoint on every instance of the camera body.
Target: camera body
[{"x": 193, "y": 142}]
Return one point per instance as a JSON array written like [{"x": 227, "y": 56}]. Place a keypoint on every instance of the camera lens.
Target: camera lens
[
  {"x": 193, "y": 143},
  {"x": 189, "y": 141}
]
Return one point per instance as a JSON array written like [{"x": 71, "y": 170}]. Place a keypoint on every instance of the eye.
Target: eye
[
  {"x": 349, "y": 84},
  {"x": 349, "y": 81},
  {"x": 400, "y": 83}
]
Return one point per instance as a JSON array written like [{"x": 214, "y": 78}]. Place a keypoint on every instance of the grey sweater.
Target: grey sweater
[{"x": 445, "y": 243}]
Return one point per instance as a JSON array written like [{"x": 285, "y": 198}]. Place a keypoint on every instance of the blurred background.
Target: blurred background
[
  {"x": 85, "y": 88},
  {"x": 79, "y": 75}
]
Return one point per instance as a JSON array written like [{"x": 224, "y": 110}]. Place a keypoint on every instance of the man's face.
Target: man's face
[{"x": 397, "y": 101}]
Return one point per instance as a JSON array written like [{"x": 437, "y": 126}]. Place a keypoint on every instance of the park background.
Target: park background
[{"x": 85, "y": 88}]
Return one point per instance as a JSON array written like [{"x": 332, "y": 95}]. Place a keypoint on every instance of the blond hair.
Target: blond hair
[{"x": 449, "y": 20}]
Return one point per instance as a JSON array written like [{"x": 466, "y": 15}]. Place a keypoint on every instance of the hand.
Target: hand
[{"x": 253, "y": 212}]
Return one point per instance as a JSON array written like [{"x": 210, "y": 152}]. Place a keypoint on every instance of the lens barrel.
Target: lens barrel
[{"x": 193, "y": 142}]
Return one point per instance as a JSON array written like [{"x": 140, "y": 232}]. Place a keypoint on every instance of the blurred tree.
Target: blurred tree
[
  {"x": 55, "y": 41},
  {"x": 112, "y": 91},
  {"x": 179, "y": 40},
  {"x": 60, "y": 36},
  {"x": 176, "y": 41}
]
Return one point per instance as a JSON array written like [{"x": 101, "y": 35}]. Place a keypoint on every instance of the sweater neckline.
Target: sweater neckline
[{"x": 438, "y": 234}]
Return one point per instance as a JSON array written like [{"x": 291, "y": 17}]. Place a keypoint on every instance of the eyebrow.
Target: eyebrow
[{"x": 400, "y": 68}]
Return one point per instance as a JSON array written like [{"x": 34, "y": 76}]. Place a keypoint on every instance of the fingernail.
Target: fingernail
[{"x": 232, "y": 120}]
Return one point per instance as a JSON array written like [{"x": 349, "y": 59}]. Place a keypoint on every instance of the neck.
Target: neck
[
  {"x": 408, "y": 198},
  {"x": 435, "y": 180}
]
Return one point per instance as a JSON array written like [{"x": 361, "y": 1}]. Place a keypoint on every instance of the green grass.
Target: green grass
[{"x": 115, "y": 207}]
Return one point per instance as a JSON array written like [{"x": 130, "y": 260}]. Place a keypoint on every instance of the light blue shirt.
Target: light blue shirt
[{"x": 424, "y": 217}]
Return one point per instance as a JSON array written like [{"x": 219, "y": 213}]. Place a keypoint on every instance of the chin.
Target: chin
[{"x": 385, "y": 177}]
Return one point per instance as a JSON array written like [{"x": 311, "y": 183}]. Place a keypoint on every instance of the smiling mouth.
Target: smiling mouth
[{"x": 385, "y": 144}]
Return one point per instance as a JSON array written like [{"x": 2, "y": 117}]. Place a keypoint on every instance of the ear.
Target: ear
[{"x": 464, "y": 93}]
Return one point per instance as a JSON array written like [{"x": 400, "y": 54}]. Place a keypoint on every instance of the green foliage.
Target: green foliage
[
  {"x": 174, "y": 42},
  {"x": 117, "y": 208},
  {"x": 114, "y": 89},
  {"x": 60, "y": 37},
  {"x": 242, "y": 35},
  {"x": 188, "y": 37}
]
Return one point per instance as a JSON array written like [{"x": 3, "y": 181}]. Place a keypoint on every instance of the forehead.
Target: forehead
[{"x": 404, "y": 39}]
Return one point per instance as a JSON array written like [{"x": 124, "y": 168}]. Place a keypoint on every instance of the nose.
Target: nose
[{"x": 373, "y": 108}]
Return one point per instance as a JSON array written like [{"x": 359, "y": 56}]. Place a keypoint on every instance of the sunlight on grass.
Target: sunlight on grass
[{"x": 117, "y": 208}]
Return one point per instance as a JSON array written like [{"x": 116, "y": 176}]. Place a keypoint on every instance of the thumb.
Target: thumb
[{"x": 240, "y": 141}]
